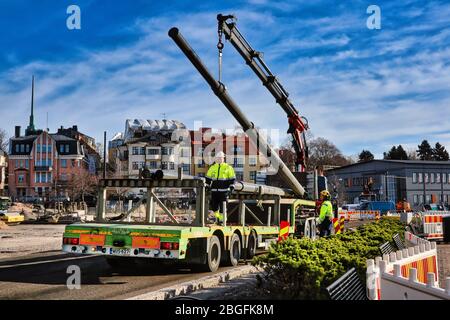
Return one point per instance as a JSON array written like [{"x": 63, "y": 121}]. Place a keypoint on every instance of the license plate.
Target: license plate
[{"x": 122, "y": 252}]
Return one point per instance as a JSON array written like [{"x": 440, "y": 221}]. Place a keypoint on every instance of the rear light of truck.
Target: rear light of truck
[
  {"x": 170, "y": 245},
  {"x": 72, "y": 241}
]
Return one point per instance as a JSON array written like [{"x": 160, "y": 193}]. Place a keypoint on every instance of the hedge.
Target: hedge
[{"x": 303, "y": 268}]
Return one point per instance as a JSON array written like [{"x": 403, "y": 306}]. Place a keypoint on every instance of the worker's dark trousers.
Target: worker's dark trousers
[
  {"x": 325, "y": 228},
  {"x": 217, "y": 199}
]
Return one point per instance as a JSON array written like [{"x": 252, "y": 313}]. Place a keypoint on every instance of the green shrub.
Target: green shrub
[{"x": 302, "y": 268}]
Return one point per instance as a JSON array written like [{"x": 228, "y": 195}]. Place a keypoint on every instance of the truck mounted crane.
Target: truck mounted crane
[{"x": 254, "y": 59}]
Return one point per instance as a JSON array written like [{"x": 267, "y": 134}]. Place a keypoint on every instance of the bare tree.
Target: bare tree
[
  {"x": 4, "y": 140},
  {"x": 83, "y": 183},
  {"x": 323, "y": 152}
]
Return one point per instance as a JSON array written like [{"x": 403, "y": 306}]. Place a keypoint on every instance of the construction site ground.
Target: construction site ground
[{"x": 32, "y": 266}]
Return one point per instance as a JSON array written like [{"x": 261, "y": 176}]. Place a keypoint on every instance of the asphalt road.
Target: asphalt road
[{"x": 44, "y": 276}]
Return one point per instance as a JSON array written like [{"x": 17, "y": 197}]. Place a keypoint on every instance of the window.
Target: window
[
  {"x": 17, "y": 163},
  {"x": 27, "y": 163},
  {"x": 63, "y": 163},
  {"x": 253, "y": 176},
  {"x": 17, "y": 148},
  {"x": 427, "y": 198},
  {"x": 164, "y": 165},
  {"x": 37, "y": 177},
  {"x": 135, "y": 166},
  {"x": 61, "y": 148},
  {"x": 21, "y": 178},
  {"x": 432, "y": 177},
  {"x": 420, "y": 177},
  {"x": 252, "y": 161},
  {"x": 239, "y": 176},
  {"x": 142, "y": 151},
  {"x": 414, "y": 177},
  {"x": 438, "y": 178},
  {"x": 186, "y": 168},
  {"x": 426, "y": 178},
  {"x": 153, "y": 152},
  {"x": 153, "y": 165},
  {"x": 49, "y": 175},
  {"x": 27, "y": 147},
  {"x": 44, "y": 178},
  {"x": 444, "y": 178},
  {"x": 201, "y": 164},
  {"x": 22, "y": 148},
  {"x": 171, "y": 165},
  {"x": 167, "y": 151},
  {"x": 38, "y": 147},
  {"x": 67, "y": 148},
  {"x": 49, "y": 148},
  {"x": 44, "y": 148},
  {"x": 416, "y": 199},
  {"x": 238, "y": 162},
  {"x": 421, "y": 199},
  {"x": 448, "y": 178}
]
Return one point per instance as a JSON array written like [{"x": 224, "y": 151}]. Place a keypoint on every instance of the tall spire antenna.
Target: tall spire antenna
[{"x": 30, "y": 128}]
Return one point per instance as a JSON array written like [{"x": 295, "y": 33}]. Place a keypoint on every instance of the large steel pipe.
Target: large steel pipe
[
  {"x": 220, "y": 91},
  {"x": 252, "y": 188}
]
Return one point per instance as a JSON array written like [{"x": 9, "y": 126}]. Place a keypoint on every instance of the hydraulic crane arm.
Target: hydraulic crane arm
[
  {"x": 221, "y": 92},
  {"x": 297, "y": 124}
]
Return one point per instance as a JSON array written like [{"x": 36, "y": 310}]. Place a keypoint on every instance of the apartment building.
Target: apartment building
[
  {"x": 155, "y": 144},
  {"x": 43, "y": 164}
]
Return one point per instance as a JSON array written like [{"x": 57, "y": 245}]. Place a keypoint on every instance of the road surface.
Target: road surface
[{"x": 44, "y": 276}]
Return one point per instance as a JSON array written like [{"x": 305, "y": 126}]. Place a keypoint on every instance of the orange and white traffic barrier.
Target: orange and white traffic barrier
[
  {"x": 362, "y": 215},
  {"x": 432, "y": 226},
  {"x": 416, "y": 263}
]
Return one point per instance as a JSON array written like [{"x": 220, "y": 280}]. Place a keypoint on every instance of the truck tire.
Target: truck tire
[
  {"x": 234, "y": 254},
  {"x": 213, "y": 256},
  {"x": 251, "y": 245}
]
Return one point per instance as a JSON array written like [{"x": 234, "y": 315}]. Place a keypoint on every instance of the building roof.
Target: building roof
[{"x": 407, "y": 162}]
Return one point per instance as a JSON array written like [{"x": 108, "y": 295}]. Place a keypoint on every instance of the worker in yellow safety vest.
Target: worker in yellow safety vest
[
  {"x": 326, "y": 214},
  {"x": 220, "y": 178}
]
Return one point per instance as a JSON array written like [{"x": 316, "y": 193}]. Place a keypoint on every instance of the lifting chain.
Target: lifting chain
[{"x": 220, "y": 47}]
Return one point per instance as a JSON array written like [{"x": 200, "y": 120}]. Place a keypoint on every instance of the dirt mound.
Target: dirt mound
[
  {"x": 19, "y": 207},
  {"x": 3, "y": 225}
]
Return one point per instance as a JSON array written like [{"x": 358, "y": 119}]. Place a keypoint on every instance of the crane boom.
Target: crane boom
[
  {"x": 221, "y": 92},
  {"x": 297, "y": 124}
]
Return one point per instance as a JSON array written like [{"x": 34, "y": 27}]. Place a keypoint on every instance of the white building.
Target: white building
[{"x": 156, "y": 144}]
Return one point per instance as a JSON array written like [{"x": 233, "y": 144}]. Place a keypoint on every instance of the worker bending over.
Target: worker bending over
[
  {"x": 221, "y": 178},
  {"x": 326, "y": 214}
]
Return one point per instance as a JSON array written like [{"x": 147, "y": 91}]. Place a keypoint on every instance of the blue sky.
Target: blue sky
[{"x": 360, "y": 88}]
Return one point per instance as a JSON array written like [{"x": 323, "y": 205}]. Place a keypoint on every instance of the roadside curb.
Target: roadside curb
[{"x": 195, "y": 285}]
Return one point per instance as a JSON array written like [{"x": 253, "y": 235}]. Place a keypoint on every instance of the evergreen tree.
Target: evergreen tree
[
  {"x": 365, "y": 155},
  {"x": 396, "y": 153},
  {"x": 425, "y": 152},
  {"x": 439, "y": 153},
  {"x": 401, "y": 153}
]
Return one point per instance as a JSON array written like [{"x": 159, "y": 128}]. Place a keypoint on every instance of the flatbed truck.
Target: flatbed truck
[{"x": 253, "y": 216}]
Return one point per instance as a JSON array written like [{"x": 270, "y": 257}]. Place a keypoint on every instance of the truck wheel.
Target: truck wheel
[
  {"x": 251, "y": 245},
  {"x": 214, "y": 255},
  {"x": 234, "y": 254}
]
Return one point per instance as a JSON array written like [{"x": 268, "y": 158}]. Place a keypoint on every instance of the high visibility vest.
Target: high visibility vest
[
  {"x": 326, "y": 211},
  {"x": 221, "y": 176}
]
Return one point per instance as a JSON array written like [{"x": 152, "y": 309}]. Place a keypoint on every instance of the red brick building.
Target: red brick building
[{"x": 44, "y": 165}]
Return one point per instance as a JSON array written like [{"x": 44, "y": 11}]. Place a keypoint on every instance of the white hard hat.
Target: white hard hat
[{"x": 220, "y": 155}]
